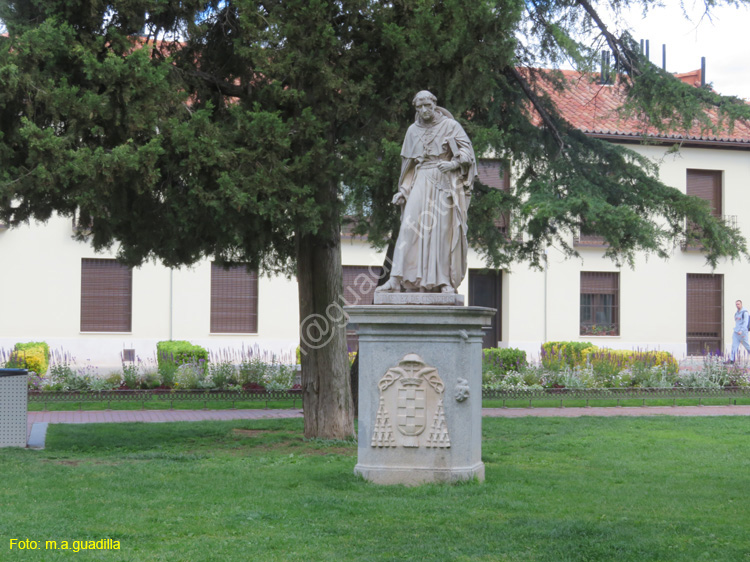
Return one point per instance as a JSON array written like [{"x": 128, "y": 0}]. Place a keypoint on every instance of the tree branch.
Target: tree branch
[{"x": 538, "y": 106}]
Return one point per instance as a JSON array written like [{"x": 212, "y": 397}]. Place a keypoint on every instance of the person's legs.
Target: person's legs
[
  {"x": 745, "y": 343},
  {"x": 736, "y": 339}
]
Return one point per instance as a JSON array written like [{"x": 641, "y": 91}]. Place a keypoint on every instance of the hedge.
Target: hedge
[
  {"x": 178, "y": 352},
  {"x": 33, "y": 356},
  {"x": 558, "y": 354},
  {"x": 500, "y": 360}
]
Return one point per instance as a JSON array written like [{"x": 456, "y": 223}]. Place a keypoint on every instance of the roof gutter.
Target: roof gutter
[{"x": 693, "y": 143}]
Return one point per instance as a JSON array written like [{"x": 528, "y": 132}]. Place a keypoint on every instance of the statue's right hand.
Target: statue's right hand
[{"x": 399, "y": 199}]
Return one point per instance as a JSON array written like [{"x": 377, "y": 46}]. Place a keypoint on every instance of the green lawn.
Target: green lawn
[{"x": 630, "y": 489}]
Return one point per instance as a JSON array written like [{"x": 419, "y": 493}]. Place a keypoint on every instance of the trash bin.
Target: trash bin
[{"x": 13, "y": 407}]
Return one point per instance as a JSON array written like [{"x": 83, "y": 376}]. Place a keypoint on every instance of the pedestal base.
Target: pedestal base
[
  {"x": 442, "y": 299},
  {"x": 410, "y": 476},
  {"x": 420, "y": 392}
]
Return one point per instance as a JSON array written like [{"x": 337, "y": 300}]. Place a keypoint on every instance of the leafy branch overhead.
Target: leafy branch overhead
[{"x": 226, "y": 129}]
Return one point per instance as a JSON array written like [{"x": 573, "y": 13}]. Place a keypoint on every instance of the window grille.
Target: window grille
[
  {"x": 705, "y": 294},
  {"x": 600, "y": 304},
  {"x": 234, "y": 300},
  {"x": 106, "y": 296}
]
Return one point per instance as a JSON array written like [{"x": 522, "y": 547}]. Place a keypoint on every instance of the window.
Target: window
[
  {"x": 485, "y": 289},
  {"x": 600, "y": 304},
  {"x": 106, "y": 296},
  {"x": 234, "y": 300},
  {"x": 706, "y": 184},
  {"x": 492, "y": 174},
  {"x": 358, "y": 287},
  {"x": 704, "y": 313}
]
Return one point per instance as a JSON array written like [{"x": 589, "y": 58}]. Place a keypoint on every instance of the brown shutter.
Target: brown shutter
[
  {"x": 106, "y": 296},
  {"x": 234, "y": 300},
  {"x": 492, "y": 174},
  {"x": 706, "y": 184},
  {"x": 359, "y": 284},
  {"x": 704, "y": 313},
  {"x": 599, "y": 283},
  {"x": 600, "y": 303}
]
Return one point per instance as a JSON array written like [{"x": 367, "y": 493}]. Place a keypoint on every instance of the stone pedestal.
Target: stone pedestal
[{"x": 420, "y": 392}]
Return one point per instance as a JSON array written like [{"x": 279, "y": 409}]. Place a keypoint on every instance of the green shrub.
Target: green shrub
[
  {"x": 33, "y": 356},
  {"x": 176, "y": 352},
  {"x": 252, "y": 373},
  {"x": 498, "y": 362},
  {"x": 192, "y": 376},
  {"x": 131, "y": 376},
  {"x": 557, "y": 355},
  {"x": 610, "y": 362},
  {"x": 222, "y": 373},
  {"x": 280, "y": 377}
]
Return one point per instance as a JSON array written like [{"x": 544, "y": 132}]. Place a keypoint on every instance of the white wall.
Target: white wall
[{"x": 40, "y": 287}]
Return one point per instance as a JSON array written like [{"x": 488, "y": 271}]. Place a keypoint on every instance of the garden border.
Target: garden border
[
  {"x": 143, "y": 396},
  {"x": 561, "y": 394}
]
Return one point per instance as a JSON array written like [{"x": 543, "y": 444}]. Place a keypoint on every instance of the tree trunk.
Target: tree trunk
[{"x": 326, "y": 398}]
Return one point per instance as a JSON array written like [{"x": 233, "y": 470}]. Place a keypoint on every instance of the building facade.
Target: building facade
[{"x": 58, "y": 290}]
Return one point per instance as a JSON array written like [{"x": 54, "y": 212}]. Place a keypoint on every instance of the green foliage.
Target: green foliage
[
  {"x": 192, "y": 376},
  {"x": 33, "y": 356},
  {"x": 497, "y": 362},
  {"x": 223, "y": 373},
  {"x": 131, "y": 376},
  {"x": 253, "y": 372},
  {"x": 245, "y": 164},
  {"x": 612, "y": 361},
  {"x": 176, "y": 353},
  {"x": 559, "y": 354}
]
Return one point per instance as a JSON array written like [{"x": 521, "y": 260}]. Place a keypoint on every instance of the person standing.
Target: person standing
[{"x": 739, "y": 335}]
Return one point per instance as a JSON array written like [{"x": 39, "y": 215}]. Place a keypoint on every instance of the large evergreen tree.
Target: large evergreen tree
[{"x": 244, "y": 130}]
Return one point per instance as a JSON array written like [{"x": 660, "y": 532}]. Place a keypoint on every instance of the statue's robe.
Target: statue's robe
[{"x": 431, "y": 247}]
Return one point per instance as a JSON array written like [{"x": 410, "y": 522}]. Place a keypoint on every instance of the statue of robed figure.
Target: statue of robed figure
[{"x": 438, "y": 168}]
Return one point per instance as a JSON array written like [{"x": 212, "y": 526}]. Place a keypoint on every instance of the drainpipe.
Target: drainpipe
[
  {"x": 546, "y": 263},
  {"x": 171, "y": 300}
]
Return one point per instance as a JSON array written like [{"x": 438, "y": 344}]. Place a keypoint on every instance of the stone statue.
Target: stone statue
[{"x": 438, "y": 168}]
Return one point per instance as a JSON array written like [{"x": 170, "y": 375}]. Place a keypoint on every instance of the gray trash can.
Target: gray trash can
[{"x": 13, "y": 407}]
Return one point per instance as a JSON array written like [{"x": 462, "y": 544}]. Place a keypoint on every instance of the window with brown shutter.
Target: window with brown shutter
[
  {"x": 234, "y": 300},
  {"x": 706, "y": 185},
  {"x": 106, "y": 296},
  {"x": 705, "y": 294},
  {"x": 493, "y": 174},
  {"x": 359, "y": 285},
  {"x": 600, "y": 304}
]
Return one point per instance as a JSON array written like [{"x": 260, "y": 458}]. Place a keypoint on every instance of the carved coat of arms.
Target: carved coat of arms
[{"x": 413, "y": 392}]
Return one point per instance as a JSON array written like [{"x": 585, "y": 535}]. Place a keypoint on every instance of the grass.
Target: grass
[{"x": 557, "y": 489}]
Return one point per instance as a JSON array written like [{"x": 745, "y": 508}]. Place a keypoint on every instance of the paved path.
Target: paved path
[{"x": 37, "y": 422}]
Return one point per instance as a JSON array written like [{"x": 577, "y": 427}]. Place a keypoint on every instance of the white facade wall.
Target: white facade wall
[
  {"x": 40, "y": 287},
  {"x": 40, "y": 299}
]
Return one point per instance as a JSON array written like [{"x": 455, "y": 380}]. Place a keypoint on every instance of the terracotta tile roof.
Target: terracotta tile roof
[{"x": 592, "y": 108}]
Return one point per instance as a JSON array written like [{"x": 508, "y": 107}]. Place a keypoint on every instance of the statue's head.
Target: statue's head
[{"x": 425, "y": 104}]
